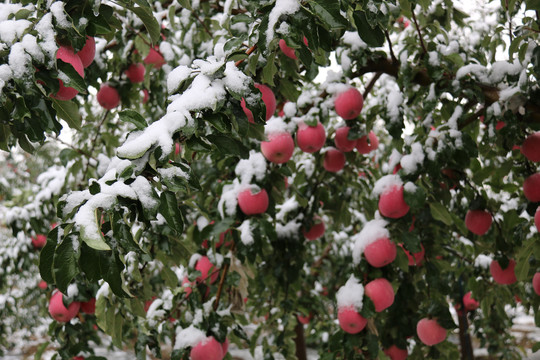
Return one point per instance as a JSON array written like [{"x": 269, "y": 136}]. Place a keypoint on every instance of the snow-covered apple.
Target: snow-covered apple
[
  {"x": 289, "y": 52},
  {"x": 531, "y": 147},
  {"x": 503, "y": 276},
  {"x": 39, "y": 241},
  {"x": 341, "y": 140},
  {"x": 381, "y": 292},
  {"x": 310, "y": 138},
  {"x": 430, "y": 332},
  {"x": 58, "y": 311},
  {"x": 536, "y": 283},
  {"x": 350, "y": 320},
  {"x": 395, "y": 353},
  {"x": 108, "y": 97},
  {"x": 316, "y": 230},
  {"x": 279, "y": 147},
  {"x": 205, "y": 266},
  {"x": 253, "y": 203},
  {"x": 415, "y": 259},
  {"x": 88, "y": 52},
  {"x": 531, "y": 188},
  {"x": 478, "y": 221},
  {"x": 365, "y": 147},
  {"x": 334, "y": 160},
  {"x": 381, "y": 252},
  {"x": 135, "y": 73},
  {"x": 392, "y": 203},
  {"x": 89, "y": 307},
  {"x": 66, "y": 54},
  {"x": 207, "y": 349},
  {"x": 349, "y": 103}
]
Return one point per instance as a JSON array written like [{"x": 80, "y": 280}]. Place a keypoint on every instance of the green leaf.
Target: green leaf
[
  {"x": 76, "y": 81},
  {"x": 40, "y": 350},
  {"x": 228, "y": 145},
  {"x": 533, "y": 5},
  {"x": 169, "y": 209},
  {"x": 65, "y": 263},
  {"x": 169, "y": 277},
  {"x": 439, "y": 212},
  {"x": 149, "y": 21},
  {"x": 270, "y": 70},
  {"x": 96, "y": 240},
  {"x": 371, "y": 36},
  {"x": 329, "y": 12},
  {"x": 133, "y": 117},
  {"x": 69, "y": 111},
  {"x": 46, "y": 257}
]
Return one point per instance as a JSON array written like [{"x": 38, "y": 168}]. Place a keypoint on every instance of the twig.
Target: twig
[
  {"x": 419, "y": 32},
  {"x": 80, "y": 151},
  {"x": 471, "y": 118},
  {"x": 509, "y": 21},
  {"x": 372, "y": 83},
  {"x": 248, "y": 52},
  {"x": 325, "y": 253},
  {"x": 222, "y": 280},
  {"x": 392, "y": 55},
  {"x": 202, "y": 23}
]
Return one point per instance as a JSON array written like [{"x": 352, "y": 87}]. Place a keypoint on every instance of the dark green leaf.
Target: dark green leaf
[
  {"x": 228, "y": 145},
  {"x": 133, "y": 117},
  {"x": 371, "y": 36},
  {"x": 149, "y": 21},
  {"x": 69, "y": 111},
  {"x": 169, "y": 209},
  {"x": 65, "y": 263},
  {"x": 329, "y": 12}
]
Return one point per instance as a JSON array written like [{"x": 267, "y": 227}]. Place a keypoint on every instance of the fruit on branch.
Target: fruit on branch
[
  {"x": 536, "y": 283},
  {"x": 78, "y": 358},
  {"x": 145, "y": 96},
  {"x": 67, "y": 55},
  {"x": 304, "y": 320},
  {"x": 310, "y": 138},
  {"x": 478, "y": 221},
  {"x": 430, "y": 332},
  {"x": 148, "y": 303},
  {"x": 392, "y": 203},
  {"x": 416, "y": 259},
  {"x": 39, "y": 241},
  {"x": 205, "y": 266},
  {"x": 42, "y": 284},
  {"x": 350, "y": 320},
  {"x": 187, "y": 289},
  {"x": 253, "y": 203},
  {"x": 88, "y": 52},
  {"x": 108, "y": 97},
  {"x": 269, "y": 101},
  {"x": 279, "y": 148},
  {"x": 537, "y": 219},
  {"x": 59, "y": 312},
  {"x": 207, "y": 349},
  {"x": 225, "y": 347},
  {"x": 503, "y": 276},
  {"x": 500, "y": 125},
  {"x": 364, "y": 147},
  {"x": 531, "y": 147},
  {"x": 380, "y": 291},
  {"x": 381, "y": 252},
  {"x": 334, "y": 160},
  {"x": 531, "y": 188},
  {"x": 316, "y": 230},
  {"x": 289, "y": 52},
  {"x": 349, "y": 103},
  {"x": 395, "y": 353},
  {"x": 177, "y": 149},
  {"x": 341, "y": 140},
  {"x": 155, "y": 58},
  {"x": 469, "y": 303},
  {"x": 89, "y": 307},
  {"x": 135, "y": 73}
]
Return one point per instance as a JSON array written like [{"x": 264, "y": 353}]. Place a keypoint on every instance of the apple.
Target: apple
[
  {"x": 349, "y": 103},
  {"x": 469, "y": 303},
  {"x": 430, "y": 332},
  {"x": 187, "y": 289},
  {"x": 279, "y": 147},
  {"x": 145, "y": 96},
  {"x": 88, "y": 52},
  {"x": 531, "y": 147},
  {"x": 310, "y": 138},
  {"x": 155, "y": 58},
  {"x": 392, "y": 203},
  {"x": 380, "y": 291},
  {"x": 478, "y": 221},
  {"x": 66, "y": 54},
  {"x": 304, "y": 320},
  {"x": 42, "y": 284},
  {"x": 503, "y": 276},
  {"x": 269, "y": 101},
  {"x": 135, "y": 73},
  {"x": 500, "y": 125},
  {"x": 59, "y": 312},
  {"x": 148, "y": 303},
  {"x": 225, "y": 347},
  {"x": 289, "y": 52},
  {"x": 206, "y": 268},
  {"x": 89, "y": 307},
  {"x": 39, "y": 241},
  {"x": 531, "y": 188},
  {"x": 177, "y": 149},
  {"x": 341, "y": 140},
  {"x": 416, "y": 258},
  {"x": 537, "y": 219},
  {"x": 381, "y": 252},
  {"x": 108, "y": 97},
  {"x": 536, "y": 283},
  {"x": 207, "y": 349},
  {"x": 253, "y": 204},
  {"x": 78, "y": 358},
  {"x": 350, "y": 320},
  {"x": 334, "y": 160},
  {"x": 364, "y": 147},
  {"x": 316, "y": 230},
  {"x": 395, "y": 353}
]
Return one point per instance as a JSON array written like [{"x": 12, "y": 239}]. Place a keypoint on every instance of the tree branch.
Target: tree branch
[
  {"x": 248, "y": 52},
  {"x": 222, "y": 280},
  {"x": 419, "y": 33},
  {"x": 371, "y": 83},
  {"x": 392, "y": 55}
]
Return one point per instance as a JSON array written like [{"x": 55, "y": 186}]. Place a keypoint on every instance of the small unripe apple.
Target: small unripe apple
[
  {"x": 279, "y": 148},
  {"x": 380, "y": 291},
  {"x": 350, "y": 320},
  {"x": 537, "y": 219},
  {"x": 289, "y": 52},
  {"x": 310, "y": 138},
  {"x": 135, "y": 73},
  {"x": 392, "y": 203},
  {"x": 316, "y": 230},
  {"x": 503, "y": 276},
  {"x": 415, "y": 259},
  {"x": 364, "y": 147},
  {"x": 478, "y": 221},
  {"x": 334, "y": 160},
  {"x": 42, "y": 285},
  {"x": 349, "y": 103},
  {"x": 531, "y": 147},
  {"x": 536, "y": 283},
  {"x": 341, "y": 141},
  {"x": 304, "y": 320},
  {"x": 154, "y": 57},
  {"x": 430, "y": 332},
  {"x": 88, "y": 52},
  {"x": 395, "y": 353},
  {"x": 59, "y": 312},
  {"x": 469, "y": 303},
  {"x": 381, "y": 252},
  {"x": 531, "y": 188},
  {"x": 89, "y": 307},
  {"x": 67, "y": 55},
  {"x": 207, "y": 349},
  {"x": 39, "y": 241},
  {"x": 253, "y": 204},
  {"x": 108, "y": 97},
  {"x": 206, "y": 268}
]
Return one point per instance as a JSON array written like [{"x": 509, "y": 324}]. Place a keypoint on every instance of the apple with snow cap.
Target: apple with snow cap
[
  {"x": 108, "y": 97},
  {"x": 279, "y": 148},
  {"x": 207, "y": 269},
  {"x": 253, "y": 203},
  {"x": 269, "y": 100},
  {"x": 531, "y": 188},
  {"x": 430, "y": 332},
  {"x": 380, "y": 252},
  {"x": 334, "y": 160},
  {"x": 531, "y": 147},
  {"x": 381, "y": 292},
  {"x": 59, "y": 312},
  {"x": 348, "y": 104},
  {"x": 395, "y": 353},
  {"x": 207, "y": 349},
  {"x": 536, "y": 283},
  {"x": 316, "y": 230},
  {"x": 392, "y": 203},
  {"x": 66, "y": 54},
  {"x": 135, "y": 73},
  {"x": 469, "y": 302},
  {"x": 341, "y": 140},
  {"x": 88, "y": 52},
  {"x": 365, "y": 147},
  {"x": 350, "y": 320},
  {"x": 287, "y": 51},
  {"x": 310, "y": 138},
  {"x": 478, "y": 221},
  {"x": 503, "y": 276}
]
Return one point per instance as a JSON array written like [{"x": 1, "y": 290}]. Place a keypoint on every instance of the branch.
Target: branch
[
  {"x": 222, "y": 280},
  {"x": 371, "y": 83},
  {"x": 419, "y": 33},
  {"x": 248, "y": 52},
  {"x": 394, "y": 59},
  {"x": 80, "y": 151}
]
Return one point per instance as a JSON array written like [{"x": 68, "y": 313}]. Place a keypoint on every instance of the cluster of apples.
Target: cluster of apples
[{"x": 60, "y": 313}]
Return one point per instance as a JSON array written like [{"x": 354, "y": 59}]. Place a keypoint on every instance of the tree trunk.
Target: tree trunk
[
  {"x": 300, "y": 341},
  {"x": 464, "y": 336}
]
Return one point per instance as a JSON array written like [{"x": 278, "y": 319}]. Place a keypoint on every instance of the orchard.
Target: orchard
[{"x": 204, "y": 179}]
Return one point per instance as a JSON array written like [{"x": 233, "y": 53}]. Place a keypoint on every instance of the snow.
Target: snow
[
  {"x": 410, "y": 162},
  {"x": 12, "y": 29},
  {"x": 386, "y": 183},
  {"x": 289, "y": 230},
  {"x": 187, "y": 337},
  {"x": 409, "y": 187},
  {"x": 351, "y": 294},
  {"x": 143, "y": 189},
  {"x": 103, "y": 291},
  {"x": 176, "y": 77},
  {"x": 253, "y": 167},
  {"x": 282, "y": 7},
  {"x": 394, "y": 101},
  {"x": 48, "y": 39},
  {"x": 283, "y": 209},
  {"x": 276, "y": 125},
  {"x": 246, "y": 234},
  {"x": 289, "y": 109},
  {"x": 352, "y": 39},
  {"x": 57, "y": 10},
  {"x": 483, "y": 261},
  {"x": 372, "y": 231},
  {"x": 173, "y": 172}
]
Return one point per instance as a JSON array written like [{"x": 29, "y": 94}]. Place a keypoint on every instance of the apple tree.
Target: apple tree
[{"x": 359, "y": 178}]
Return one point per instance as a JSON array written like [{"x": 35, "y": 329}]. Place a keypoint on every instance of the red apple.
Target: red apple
[
  {"x": 316, "y": 230},
  {"x": 381, "y": 252},
  {"x": 42, "y": 285},
  {"x": 349, "y": 103},
  {"x": 145, "y": 96},
  {"x": 67, "y": 55},
  {"x": 135, "y": 73},
  {"x": 531, "y": 188},
  {"x": 364, "y": 147},
  {"x": 478, "y": 221},
  {"x": 531, "y": 147},
  {"x": 206, "y": 268},
  {"x": 279, "y": 147},
  {"x": 341, "y": 141},
  {"x": 416, "y": 258},
  {"x": 334, "y": 160},
  {"x": 504, "y": 277},
  {"x": 59, "y": 312},
  {"x": 537, "y": 219},
  {"x": 248, "y": 112},
  {"x": 39, "y": 241},
  {"x": 208, "y": 349},
  {"x": 154, "y": 57},
  {"x": 78, "y": 358},
  {"x": 469, "y": 303},
  {"x": 268, "y": 98},
  {"x": 108, "y": 97},
  {"x": 304, "y": 319},
  {"x": 380, "y": 291},
  {"x": 536, "y": 283},
  {"x": 289, "y": 52},
  {"x": 350, "y": 320},
  {"x": 253, "y": 204},
  {"x": 88, "y": 52},
  {"x": 177, "y": 149},
  {"x": 395, "y": 353},
  {"x": 225, "y": 347},
  {"x": 187, "y": 289},
  {"x": 392, "y": 203},
  {"x": 500, "y": 125},
  {"x": 430, "y": 332},
  {"x": 89, "y": 307},
  {"x": 310, "y": 138}
]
